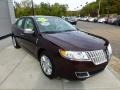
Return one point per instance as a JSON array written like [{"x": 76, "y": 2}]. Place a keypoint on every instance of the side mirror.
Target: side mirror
[{"x": 28, "y": 31}]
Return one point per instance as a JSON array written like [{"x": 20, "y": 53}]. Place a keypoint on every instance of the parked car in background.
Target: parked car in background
[
  {"x": 85, "y": 18},
  {"x": 66, "y": 18},
  {"x": 117, "y": 21},
  {"x": 111, "y": 20},
  {"x": 72, "y": 20},
  {"x": 102, "y": 20},
  {"x": 114, "y": 20},
  {"x": 61, "y": 49},
  {"x": 91, "y": 19},
  {"x": 82, "y": 19},
  {"x": 78, "y": 18},
  {"x": 96, "y": 19}
]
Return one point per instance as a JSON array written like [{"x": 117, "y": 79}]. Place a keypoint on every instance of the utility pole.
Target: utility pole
[
  {"x": 99, "y": 8},
  {"x": 33, "y": 11},
  {"x": 109, "y": 6}
]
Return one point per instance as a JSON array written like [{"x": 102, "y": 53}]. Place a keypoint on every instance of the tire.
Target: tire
[
  {"x": 50, "y": 72},
  {"x": 15, "y": 43}
]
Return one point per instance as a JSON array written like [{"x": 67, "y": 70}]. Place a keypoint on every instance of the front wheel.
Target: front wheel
[
  {"x": 47, "y": 65},
  {"x": 15, "y": 43}
]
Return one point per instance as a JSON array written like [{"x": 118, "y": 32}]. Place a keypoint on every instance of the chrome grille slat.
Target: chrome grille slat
[{"x": 97, "y": 57}]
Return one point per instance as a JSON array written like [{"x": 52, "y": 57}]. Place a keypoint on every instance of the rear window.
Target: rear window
[{"x": 19, "y": 23}]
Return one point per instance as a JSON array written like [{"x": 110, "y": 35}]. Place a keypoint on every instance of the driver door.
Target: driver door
[{"x": 30, "y": 39}]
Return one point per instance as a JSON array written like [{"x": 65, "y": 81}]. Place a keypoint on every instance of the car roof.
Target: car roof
[{"x": 37, "y": 16}]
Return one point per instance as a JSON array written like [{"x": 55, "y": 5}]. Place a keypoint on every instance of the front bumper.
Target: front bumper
[{"x": 77, "y": 70}]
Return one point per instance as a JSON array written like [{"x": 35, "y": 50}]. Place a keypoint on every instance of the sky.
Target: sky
[{"x": 72, "y": 4}]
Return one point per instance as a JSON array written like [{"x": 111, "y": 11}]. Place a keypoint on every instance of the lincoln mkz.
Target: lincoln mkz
[{"x": 61, "y": 49}]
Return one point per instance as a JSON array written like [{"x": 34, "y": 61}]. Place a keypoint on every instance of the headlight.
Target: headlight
[
  {"x": 72, "y": 55},
  {"x": 109, "y": 51}
]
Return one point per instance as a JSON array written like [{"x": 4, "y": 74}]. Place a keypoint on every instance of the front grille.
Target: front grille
[{"x": 97, "y": 57}]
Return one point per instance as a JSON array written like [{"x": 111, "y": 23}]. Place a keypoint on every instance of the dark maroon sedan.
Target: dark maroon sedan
[{"x": 61, "y": 49}]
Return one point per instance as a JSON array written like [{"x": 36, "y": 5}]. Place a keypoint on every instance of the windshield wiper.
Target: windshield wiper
[
  {"x": 68, "y": 30},
  {"x": 57, "y": 31},
  {"x": 51, "y": 32}
]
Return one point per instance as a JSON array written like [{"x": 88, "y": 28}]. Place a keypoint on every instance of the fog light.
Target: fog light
[{"x": 82, "y": 74}]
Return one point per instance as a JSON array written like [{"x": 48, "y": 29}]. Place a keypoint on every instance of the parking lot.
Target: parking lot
[{"x": 20, "y": 70}]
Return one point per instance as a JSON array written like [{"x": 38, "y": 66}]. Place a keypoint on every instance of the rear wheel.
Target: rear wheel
[
  {"x": 15, "y": 43},
  {"x": 47, "y": 65}
]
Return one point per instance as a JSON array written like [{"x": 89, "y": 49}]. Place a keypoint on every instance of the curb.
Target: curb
[
  {"x": 6, "y": 36},
  {"x": 114, "y": 66}
]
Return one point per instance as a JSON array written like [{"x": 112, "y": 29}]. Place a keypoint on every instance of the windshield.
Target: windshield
[{"x": 53, "y": 24}]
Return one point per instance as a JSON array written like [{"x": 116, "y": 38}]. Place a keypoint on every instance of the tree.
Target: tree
[
  {"x": 107, "y": 6},
  {"x": 58, "y": 10},
  {"x": 24, "y": 8},
  {"x": 89, "y": 9}
]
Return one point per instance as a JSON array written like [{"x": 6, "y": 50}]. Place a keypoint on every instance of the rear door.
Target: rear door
[{"x": 18, "y": 30}]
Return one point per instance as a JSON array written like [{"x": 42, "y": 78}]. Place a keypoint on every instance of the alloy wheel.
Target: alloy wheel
[{"x": 46, "y": 65}]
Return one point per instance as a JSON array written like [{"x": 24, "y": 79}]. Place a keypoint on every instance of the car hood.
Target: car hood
[{"x": 77, "y": 41}]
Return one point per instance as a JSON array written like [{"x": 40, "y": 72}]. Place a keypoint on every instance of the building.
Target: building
[{"x": 7, "y": 17}]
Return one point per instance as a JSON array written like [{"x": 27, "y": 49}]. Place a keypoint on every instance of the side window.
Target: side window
[
  {"x": 29, "y": 24},
  {"x": 19, "y": 23}
]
